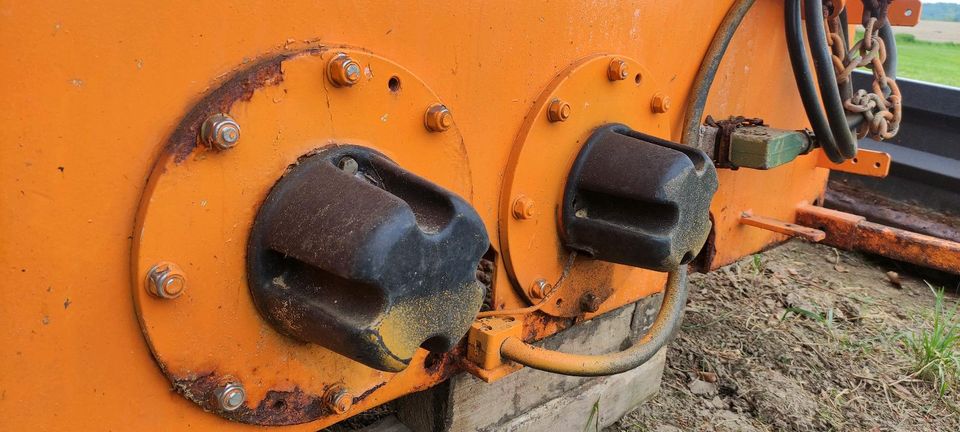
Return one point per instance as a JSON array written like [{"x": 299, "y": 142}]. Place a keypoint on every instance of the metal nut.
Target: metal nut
[
  {"x": 220, "y": 132},
  {"x": 523, "y": 208},
  {"x": 539, "y": 289},
  {"x": 339, "y": 400},
  {"x": 660, "y": 103},
  {"x": 437, "y": 118},
  {"x": 618, "y": 70},
  {"x": 558, "y": 111},
  {"x": 343, "y": 71},
  {"x": 231, "y": 396},
  {"x": 166, "y": 280},
  {"x": 590, "y": 303}
]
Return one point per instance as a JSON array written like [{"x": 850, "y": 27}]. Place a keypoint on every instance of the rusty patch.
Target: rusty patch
[
  {"x": 276, "y": 409},
  {"x": 721, "y": 156},
  {"x": 445, "y": 364},
  {"x": 240, "y": 86}
]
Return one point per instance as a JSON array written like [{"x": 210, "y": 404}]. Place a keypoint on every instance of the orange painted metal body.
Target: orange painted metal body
[{"x": 93, "y": 92}]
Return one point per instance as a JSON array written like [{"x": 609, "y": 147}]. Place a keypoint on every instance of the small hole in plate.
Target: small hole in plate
[{"x": 394, "y": 83}]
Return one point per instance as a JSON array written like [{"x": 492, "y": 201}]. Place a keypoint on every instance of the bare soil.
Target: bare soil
[
  {"x": 743, "y": 363},
  {"x": 933, "y": 31}
]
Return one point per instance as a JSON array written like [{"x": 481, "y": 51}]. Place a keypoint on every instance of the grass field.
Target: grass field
[{"x": 936, "y": 62}]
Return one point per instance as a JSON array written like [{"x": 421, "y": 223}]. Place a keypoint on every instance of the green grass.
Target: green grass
[
  {"x": 936, "y": 62},
  {"x": 825, "y": 319},
  {"x": 936, "y": 347}
]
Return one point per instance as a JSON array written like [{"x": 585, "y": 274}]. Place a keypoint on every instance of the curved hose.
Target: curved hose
[
  {"x": 827, "y": 80},
  {"x": 708, "y": 69},
  {"x": 805, "y": 81},
  {"x": 671, "y": 310}
]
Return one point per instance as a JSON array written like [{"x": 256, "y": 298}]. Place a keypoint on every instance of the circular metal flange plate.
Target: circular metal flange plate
[
  {"x": 200, "y": 204},
  {"x": 539, "y": 164}
]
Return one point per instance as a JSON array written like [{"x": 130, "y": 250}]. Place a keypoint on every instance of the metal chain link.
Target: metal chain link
[{"x": 880, "y": 106}]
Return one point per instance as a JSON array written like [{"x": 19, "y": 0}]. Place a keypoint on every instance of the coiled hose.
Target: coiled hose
[{"x": 805, "y": 81}]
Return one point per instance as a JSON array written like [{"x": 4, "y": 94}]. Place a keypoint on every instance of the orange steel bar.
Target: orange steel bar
[
  {"x": 866, "y": 163},
  {"x": 902, "y": 13},
  {"x": 793, "y": 230},
  {"x": 853, "y": 232}
]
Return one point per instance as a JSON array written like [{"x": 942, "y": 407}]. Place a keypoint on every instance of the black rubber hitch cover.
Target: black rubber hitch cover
[
  {"x": 638, "y": 200},
  {"x": 354, "y": 253}
]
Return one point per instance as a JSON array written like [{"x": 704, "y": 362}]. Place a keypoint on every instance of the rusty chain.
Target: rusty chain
[{"x": 880, "y": 106}]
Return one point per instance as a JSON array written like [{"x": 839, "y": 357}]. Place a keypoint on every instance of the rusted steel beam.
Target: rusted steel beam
[
  {"x": 883, "y": 210},
  {"x": 790, "y": 229},
  {"x": 853, "y": 232}
]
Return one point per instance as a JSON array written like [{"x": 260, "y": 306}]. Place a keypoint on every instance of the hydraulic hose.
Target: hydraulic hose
[
  {"x": 667, "y": 321},
  {"x": 890, "y": 42},
  {"x": 697, "y": 100},
  {"x": 827, "y": 80},
  {"x": 805, "y": 81}
]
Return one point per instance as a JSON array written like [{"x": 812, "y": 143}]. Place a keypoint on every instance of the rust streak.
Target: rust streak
[{"x": 239, "y": 87}]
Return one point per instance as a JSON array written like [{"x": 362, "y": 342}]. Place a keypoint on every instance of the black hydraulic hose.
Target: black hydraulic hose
[
  {"x": 890, "y": 42},
  {"x": 697, "y": 100},
  {"x": 805, "y": 81},
  {"x": 827, "y": 80}
]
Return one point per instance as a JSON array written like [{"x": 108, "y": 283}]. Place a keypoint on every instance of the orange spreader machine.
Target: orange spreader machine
[{"x": 232, "y": 215}]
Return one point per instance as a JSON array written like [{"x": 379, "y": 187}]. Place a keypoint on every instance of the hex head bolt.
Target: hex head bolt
[
  {"x": 231, "y": 396},
  {"x": 437, "y": 118},
  {"x": 523, "y": 208},
  {"x": 166, "y": 280},
  {"x": 618, "y": 70},
  {"x": 220, "y": 132},
  {"x": 539, "y": 289},
  {"x": 339, "y": 400},
  {"x": 558, "y": 111},
  {"x": 660, "y": 103},
  {"x": 343, "y": 71}
]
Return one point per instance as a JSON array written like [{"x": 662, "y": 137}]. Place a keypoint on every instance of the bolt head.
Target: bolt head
[
  {"x": 349, "y": 165},
  {"x": 220, "y": 132},
  {"x": 618, "y": 70},
  {"x": 437, "y": 118},
  {"x": 558, "y": 111},
  {"x": 660, "y": 103},
  {"x": 342, "y": 71},
  {"x": 231, "y": 396},
  {"x": 523, "y": 208},
  {"x": 166, "y": 280},
  {"x": 539, "y": 289},
  {"x": 339, "y": 400},
  {"x": 590, "y": 303}
]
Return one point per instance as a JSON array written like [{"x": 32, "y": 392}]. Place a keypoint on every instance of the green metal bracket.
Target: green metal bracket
[{"x": 761, "y": 147}]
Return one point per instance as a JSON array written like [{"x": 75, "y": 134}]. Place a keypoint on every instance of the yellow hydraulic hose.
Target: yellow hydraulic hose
[{"x": 671, "y": 311}]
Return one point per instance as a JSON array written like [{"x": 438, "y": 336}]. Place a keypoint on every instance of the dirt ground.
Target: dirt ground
[
  {"x": 739, "y": 365},
  {"x": 934, "y": 31}
]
